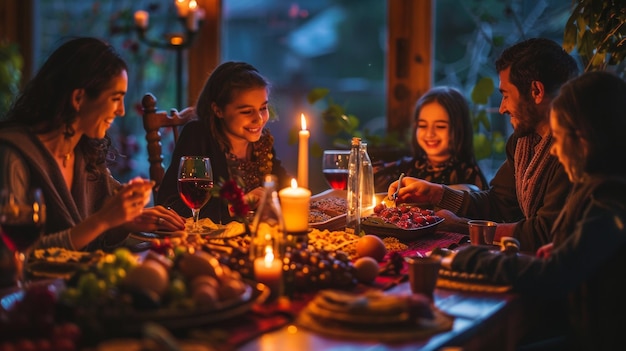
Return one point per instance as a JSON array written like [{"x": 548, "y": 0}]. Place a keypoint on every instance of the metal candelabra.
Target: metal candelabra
[{"x": 191, "y": 20}]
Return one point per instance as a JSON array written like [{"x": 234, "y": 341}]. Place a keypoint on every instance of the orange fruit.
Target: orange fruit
[
  {"x": 371, "y": 246},
  {"x": 366, "y": 269}
]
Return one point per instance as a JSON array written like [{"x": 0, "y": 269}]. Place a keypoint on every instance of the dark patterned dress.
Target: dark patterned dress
[{"x": 450, "y": 172}]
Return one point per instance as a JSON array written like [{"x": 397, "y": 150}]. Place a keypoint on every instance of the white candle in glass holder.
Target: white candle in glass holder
[
  {"x": 294, "y": 203},
  {"x": 303, "y": 154}
]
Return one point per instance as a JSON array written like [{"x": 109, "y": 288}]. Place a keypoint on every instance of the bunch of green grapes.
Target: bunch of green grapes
[{"x": 93, "y": 284}]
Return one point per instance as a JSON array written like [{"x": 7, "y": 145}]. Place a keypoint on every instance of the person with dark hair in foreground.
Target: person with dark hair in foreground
[{"x": 584, "y": 266}]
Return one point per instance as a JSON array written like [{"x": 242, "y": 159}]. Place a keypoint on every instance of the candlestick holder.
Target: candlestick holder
[{"x": 178, "y": 41}]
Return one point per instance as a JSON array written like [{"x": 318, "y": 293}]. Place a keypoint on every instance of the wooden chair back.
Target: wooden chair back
[{"x": 153, "y": 122}]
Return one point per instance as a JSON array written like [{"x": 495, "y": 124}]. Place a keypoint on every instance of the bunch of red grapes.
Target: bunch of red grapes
[
  {"x": 30, "y": 324},
  {"x": 305, "y": 269},
  {"x": 406, "y": 217}
]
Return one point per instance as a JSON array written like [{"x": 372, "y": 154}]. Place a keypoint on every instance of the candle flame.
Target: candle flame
[
  {"x": 193, "y": 4},
  {"x": 269, "y": 256},
  {"x": 303, "y": 121},
  {"x": 176, "y": 40},
  {"x": 294, "y": 183}
]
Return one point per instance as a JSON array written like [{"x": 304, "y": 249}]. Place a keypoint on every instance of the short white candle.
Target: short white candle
[
  {"x": 269, "y": 271},
  {"x": 303, "y": 154},
  {"x": 141, "y": 19},
  {"x": 294, "y": 202}
]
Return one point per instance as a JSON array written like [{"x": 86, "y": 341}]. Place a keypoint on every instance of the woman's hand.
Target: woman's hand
[
  {"x": 156, "y": 218},
  {"x": 128, "y": 203},
  {"x": 253, "y": 198}
]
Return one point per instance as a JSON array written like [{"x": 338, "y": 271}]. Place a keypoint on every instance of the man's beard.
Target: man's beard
[{"x": 529, "y": 116}]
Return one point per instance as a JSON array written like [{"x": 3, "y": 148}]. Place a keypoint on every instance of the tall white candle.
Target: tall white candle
[
  {"x": 303, "y": 154},
  {"x": 141, "y": 19},
  {"x": 294, "y": 202}
]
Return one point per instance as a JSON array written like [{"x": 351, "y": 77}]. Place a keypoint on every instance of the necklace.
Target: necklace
[{"x": 66, "y": 158}]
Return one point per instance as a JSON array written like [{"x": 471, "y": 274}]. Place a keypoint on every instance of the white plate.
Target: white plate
[
  {"x": 230, "y": 230},
  {"x": 205, "y": 231}
]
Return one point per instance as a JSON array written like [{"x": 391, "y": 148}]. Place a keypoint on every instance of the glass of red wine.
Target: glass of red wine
[
  {"x": 22, "y": 223},
  {"x": 335, "y": 168},
  {"x": 195, "y": 181}
]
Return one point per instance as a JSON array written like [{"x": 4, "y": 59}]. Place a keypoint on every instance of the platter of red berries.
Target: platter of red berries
[{"x": 405, "y": 222}]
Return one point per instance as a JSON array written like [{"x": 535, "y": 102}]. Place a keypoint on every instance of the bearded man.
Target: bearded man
[{"x": 529, "y": 189}]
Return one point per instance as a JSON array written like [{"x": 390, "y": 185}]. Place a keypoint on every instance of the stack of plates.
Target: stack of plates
[{"x": 373, "y": 316}]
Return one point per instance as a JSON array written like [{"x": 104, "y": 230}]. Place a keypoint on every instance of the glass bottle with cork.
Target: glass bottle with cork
[
  {"x": 353, "y": 216},
  {"x": 268, "y": 240}
]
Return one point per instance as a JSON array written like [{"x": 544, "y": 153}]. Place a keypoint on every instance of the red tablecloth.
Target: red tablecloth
[{"x": 424, "y": 245}]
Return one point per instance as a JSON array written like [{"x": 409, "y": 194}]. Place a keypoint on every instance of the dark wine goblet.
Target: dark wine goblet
[
  {"x": 195, "y": 181},
  {"x": 21, "y": 225},
  {"x": 335, "y": 168}
]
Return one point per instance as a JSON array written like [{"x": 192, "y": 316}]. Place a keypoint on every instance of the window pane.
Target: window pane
[
  {"x": 302, "y": 45},
  {"x": 470, "y": 35},
  {"x": 151, "y": 69}
]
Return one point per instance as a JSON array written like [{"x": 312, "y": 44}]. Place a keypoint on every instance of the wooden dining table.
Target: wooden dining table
[{"x": 482, "y": 320}]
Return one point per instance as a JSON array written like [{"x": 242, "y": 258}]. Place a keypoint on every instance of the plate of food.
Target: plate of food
[
  {"x": 373, "y": 315},
  {"x": 56, "y": 262},
  {"x": 123, "y": 291},
  {"x": 327, "y": 210},
  {"x": 207, "y": 229},
  {"x": 405, "y": 222},
  {"x": 132, "y": 320},
  {"x": 205, "y": 226}
]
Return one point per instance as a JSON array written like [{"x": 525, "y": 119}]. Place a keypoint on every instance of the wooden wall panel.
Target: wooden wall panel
[
  {"x": 204, "y": 55},
  {"x": 16, "y": 27},
  {"x": 409, "y": 65}
]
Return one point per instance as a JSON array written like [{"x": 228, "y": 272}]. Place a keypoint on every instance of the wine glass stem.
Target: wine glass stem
[
  {"x": 20, "y": 264},
  {"x": 195, "y": 214}
]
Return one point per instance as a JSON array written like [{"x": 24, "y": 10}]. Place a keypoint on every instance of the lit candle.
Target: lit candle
[
  {"x": 269, "y": 271},
  {"x": 294, "y": 202},
  {"x": 141, "y": 19},
  {"x": 182, "y": 8},
  {"x": 176, "y": 40},
  {"x": 192, "y": 16},
  {"x": 303, "y": 154}
]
